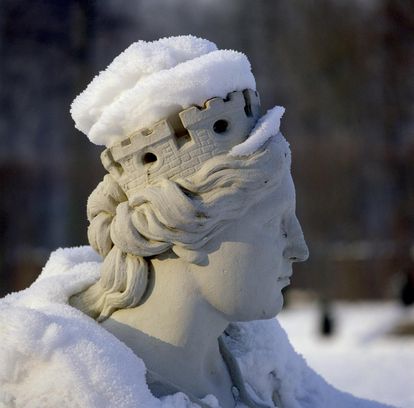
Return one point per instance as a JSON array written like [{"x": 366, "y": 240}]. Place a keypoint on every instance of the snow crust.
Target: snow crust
[
  {"x": 52, "y": 355},
  {"x": 153, "y": 80},
  {"x": 267, "y": 126}
]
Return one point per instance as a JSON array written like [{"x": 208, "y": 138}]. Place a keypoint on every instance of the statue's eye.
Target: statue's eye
[{"x": 220, "y": 126}]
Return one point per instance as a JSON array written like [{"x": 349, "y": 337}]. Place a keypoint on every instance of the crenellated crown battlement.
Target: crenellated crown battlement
[{"x": 178, "y": 146}]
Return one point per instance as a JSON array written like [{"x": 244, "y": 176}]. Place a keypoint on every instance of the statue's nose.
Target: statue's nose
[
  {"x": 296, "y": 249},
  {"x": 297, "y": 253}
]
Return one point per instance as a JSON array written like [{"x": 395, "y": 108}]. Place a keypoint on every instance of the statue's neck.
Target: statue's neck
[{"x": 175, "y": 332}]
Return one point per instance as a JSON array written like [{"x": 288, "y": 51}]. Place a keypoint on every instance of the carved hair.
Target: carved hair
[{"x": 181, "y": 215}]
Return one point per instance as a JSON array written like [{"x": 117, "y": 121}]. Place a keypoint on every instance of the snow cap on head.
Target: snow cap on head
[{"x": 150, "y": 81}]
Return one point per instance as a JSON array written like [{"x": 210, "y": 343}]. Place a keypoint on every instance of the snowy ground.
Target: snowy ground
[{"x": 362, "y": 358}]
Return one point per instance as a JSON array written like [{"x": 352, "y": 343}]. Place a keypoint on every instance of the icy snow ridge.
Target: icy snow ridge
[{"x": 267, "y": 126}]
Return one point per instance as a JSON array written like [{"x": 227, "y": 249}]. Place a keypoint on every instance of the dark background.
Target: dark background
[{"x": 343, "y": 69}]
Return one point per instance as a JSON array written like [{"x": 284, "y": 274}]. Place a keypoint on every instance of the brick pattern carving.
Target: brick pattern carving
[{"x": 177, "y": 147}]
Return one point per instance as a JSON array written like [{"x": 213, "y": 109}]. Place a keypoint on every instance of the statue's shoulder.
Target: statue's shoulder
[{"x": 54, "y": 355}]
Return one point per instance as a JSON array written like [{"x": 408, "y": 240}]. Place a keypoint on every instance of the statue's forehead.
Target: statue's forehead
[{"x": 281, "y": 200}]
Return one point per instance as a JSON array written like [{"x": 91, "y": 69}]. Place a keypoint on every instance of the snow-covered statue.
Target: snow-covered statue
[{"x": 193, "y": 235}]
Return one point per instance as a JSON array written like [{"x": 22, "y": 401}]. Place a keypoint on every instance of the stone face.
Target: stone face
[{"x": 168, "y": 151}]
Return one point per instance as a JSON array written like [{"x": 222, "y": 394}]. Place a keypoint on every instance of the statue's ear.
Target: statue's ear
[{"x": 112, "y": 166}]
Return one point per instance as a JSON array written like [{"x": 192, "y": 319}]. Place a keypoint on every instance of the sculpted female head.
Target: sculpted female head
[
  {"x": 233, "y": 220},
  {"x": 208, "y": 185}
]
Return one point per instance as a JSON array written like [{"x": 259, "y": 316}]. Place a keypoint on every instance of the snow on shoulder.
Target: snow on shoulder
[{"x": 53, "y": 355}]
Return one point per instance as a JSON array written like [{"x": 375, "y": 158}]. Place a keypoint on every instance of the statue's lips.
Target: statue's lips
[{"x": 284, "y": 279}]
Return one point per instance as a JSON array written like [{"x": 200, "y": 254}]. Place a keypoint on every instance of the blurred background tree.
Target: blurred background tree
[{"x": 343, "y": 69}]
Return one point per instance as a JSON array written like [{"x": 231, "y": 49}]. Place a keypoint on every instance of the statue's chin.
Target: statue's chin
[
  {"x": 268, "y": 311},
  {"x": 275, "y": 309}
]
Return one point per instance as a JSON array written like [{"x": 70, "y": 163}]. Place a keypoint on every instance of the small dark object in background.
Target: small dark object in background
[
  {"x": 327, "y": 321},
  {"x": 407, "y": 288}
]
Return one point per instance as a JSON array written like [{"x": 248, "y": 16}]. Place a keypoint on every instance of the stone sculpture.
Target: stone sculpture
[
  {"x": 192, "y": 238},
  {"x": 194, "y": 232}
]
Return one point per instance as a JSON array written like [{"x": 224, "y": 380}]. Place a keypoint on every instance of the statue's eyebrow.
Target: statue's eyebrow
[{"x": 282, "y": 214}]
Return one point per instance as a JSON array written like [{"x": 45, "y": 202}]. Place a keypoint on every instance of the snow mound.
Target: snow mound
[
  {"x": 153, "y": 80},
  {"x": 265, "y": 128}
]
